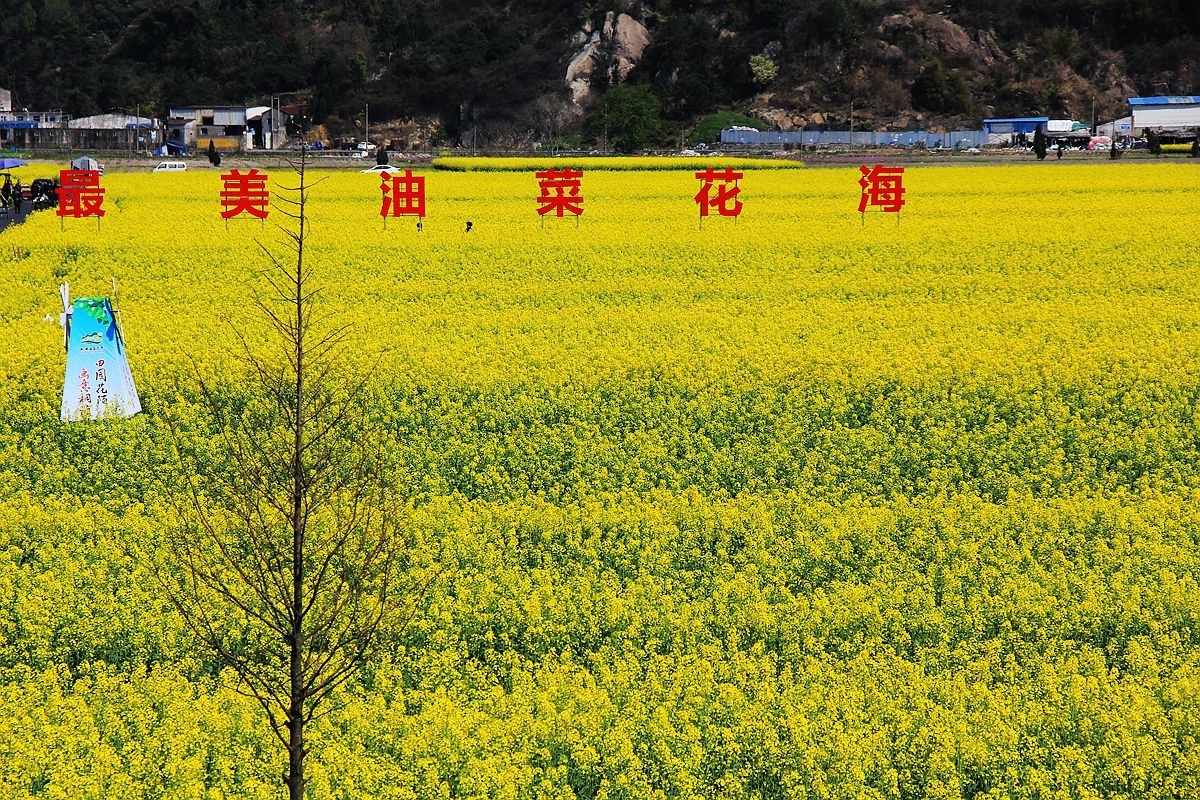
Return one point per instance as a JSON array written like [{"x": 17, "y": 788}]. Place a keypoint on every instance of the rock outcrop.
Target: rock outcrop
[{"x": 614, "y": 48}]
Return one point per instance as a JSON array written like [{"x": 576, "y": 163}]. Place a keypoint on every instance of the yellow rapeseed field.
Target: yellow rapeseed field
[
  {"x": 804, "y": 505},
  {"x": 990, "y": 269}
]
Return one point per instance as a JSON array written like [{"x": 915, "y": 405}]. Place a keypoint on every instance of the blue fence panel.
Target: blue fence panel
[{"x": 955, "y": 139}]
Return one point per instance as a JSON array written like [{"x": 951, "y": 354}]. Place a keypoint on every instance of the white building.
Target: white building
[
  {"x": 268, "y": 126},
  {"x": 1179, "y": 113},
  {"x": 5, "y": 100},
  {"x": 194, "y": 127},
  {"x": 227, "y": 127},
  {"x": 1118, "y": 128},
  {"x": 26, "y": 128},
  {"x": 114, "y": 131}
]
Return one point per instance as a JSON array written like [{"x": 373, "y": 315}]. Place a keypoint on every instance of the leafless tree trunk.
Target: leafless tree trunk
[{"x": 286, "y": 563}]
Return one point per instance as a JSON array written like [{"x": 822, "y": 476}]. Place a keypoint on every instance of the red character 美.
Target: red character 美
[
  {"x": 560, "y": 192},
  {"x": 881, "y": 186},
  {"x": 403, "y": 195},
  {"x": 725, "y": 200},
  {"x": 244, "y": 192},
  {"x": 79, "y": 194}
]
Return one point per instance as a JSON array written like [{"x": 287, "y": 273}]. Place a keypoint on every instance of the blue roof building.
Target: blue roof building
[
  {"x": 1016, "y": 124},
  {"x": 1173, "y": 112}
]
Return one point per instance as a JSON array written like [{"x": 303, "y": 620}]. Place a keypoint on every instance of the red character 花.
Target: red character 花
[
  {"x": 79, "y": 193},
  {"x": 881, "y": 186},
  {"x": 403, "y": 195},
  {"x": 560, "y": 192},
  {"x": 244, "y": 192},
  {"x": 725, "y": 200}
]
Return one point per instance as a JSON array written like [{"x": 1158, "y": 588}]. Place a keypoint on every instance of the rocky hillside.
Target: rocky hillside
[{"x": 508, "y": 72}]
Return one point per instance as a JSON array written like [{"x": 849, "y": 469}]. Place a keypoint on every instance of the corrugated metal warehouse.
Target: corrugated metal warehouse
[{"x": 1166, "y": 112}]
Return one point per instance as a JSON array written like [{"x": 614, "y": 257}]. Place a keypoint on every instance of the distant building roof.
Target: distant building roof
[
  {"x": 207, "y": 107},
  {"x": 1167, "y": 100},
  {"x": 1017, "y": 119}
]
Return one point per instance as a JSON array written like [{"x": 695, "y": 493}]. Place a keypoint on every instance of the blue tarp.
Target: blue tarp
[{"x": 17, "y": 124}]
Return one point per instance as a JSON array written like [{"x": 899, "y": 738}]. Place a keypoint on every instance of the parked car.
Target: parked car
[
  {"x": 170, "y": 166},
  {"x": 381, "y": 168}
]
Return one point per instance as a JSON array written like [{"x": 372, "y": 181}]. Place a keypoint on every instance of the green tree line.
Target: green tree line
[{"x": 472, "y": 61}]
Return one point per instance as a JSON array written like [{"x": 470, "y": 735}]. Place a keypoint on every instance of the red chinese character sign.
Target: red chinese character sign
[
  {"x": 882, "y": 188},
  {"x": 244, "y": 193},
  {"x": 560, "y": 193},
  {"x": 80, "y": 195},
  {"x": 403, "y": 196},
  {"x": 719, "y": 191}
]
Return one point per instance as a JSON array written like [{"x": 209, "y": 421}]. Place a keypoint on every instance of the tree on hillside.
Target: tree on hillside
[
  {"x": 1039, "y": 144},
  {"x": 285, "y": 563},
  {"x": 764, "y": 69},
  {"x": 939, "y": 91},
  {"x": 629, "y": 118}
]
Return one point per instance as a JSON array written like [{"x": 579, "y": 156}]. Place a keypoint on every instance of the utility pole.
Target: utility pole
[
  {"x": 367, "y": 123},
  {"x": 851, "y": 124}
]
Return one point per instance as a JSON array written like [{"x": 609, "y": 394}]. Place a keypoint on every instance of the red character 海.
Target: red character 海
[{"x": 881, "y": 186}]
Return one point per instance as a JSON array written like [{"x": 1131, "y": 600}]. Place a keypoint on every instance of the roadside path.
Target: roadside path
[{"x": 8, "y": 218}]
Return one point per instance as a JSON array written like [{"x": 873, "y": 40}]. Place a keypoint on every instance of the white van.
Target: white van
[{"x": 170, "y": 166}]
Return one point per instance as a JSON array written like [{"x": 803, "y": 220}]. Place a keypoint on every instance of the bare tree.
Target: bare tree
[
  {"x": 550, "y": 116},
  {"x": 286, "y": 564}
]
